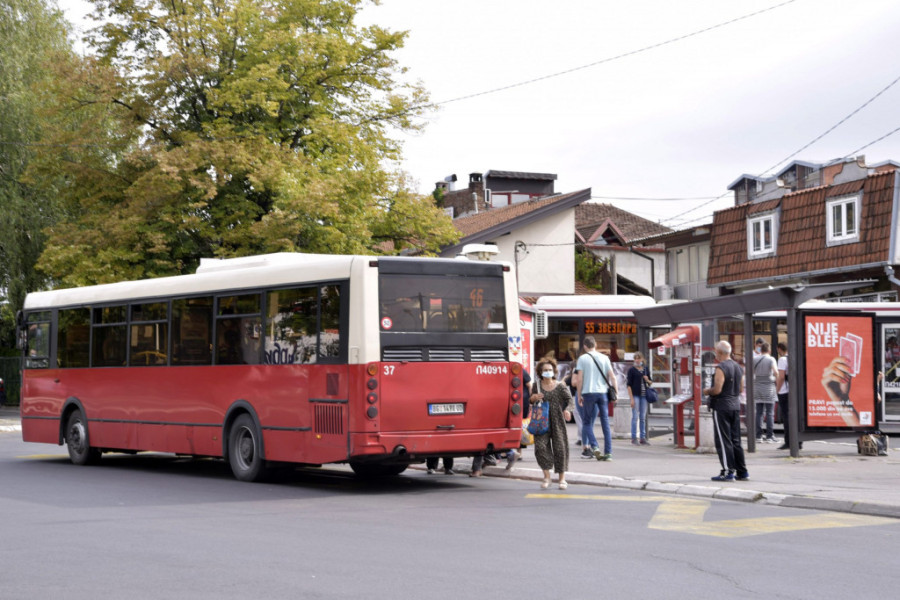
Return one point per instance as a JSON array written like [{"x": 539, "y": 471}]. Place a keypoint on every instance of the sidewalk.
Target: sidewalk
[
  {"x": 827, "y": 475},
  {"x": 9, "y": 419}
]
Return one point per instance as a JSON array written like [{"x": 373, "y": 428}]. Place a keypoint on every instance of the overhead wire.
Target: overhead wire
[
  {"x": 613, "y": 58},
  {"x": 805, "y": 146}
]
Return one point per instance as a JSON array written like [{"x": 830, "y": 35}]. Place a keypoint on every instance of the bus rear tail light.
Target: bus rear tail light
[
  {"x": 372, "y": 385},
  {"x": 516, "y": 383}
]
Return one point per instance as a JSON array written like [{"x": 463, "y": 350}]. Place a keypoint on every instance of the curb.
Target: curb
[{"x": 732, "y": 494}]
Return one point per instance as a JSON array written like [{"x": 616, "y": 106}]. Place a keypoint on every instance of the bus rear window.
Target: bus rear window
[{"x": 447, "y": 303}]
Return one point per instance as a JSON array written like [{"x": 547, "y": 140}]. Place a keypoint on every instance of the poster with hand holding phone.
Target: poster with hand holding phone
[{"x": 840, "y": 370}]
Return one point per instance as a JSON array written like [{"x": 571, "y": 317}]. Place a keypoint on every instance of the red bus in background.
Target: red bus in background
[{"x": 378, "y": 362}]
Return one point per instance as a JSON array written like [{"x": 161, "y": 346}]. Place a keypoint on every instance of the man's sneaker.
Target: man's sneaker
[
  {"x": 597, "y": 454},
  {"x": 511, "y": 457},
  {"x": 644, "y": 442},
  {"x": 723, "y": 477},
  {"x": 635, "y": 442},
  {"x": 772, "y": 440},
  {"x": 586, "y": 453},
  {"x": 431, "y": 471},
  {"x": 742, "y": 476},
  {"x": 606, "y": 457},
  {"x": 759, "y": 440}
]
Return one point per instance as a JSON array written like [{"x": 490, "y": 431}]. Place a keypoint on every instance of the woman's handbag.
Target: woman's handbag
[
  {"x": 652, "y": 396},
  {"x": 540, "y": 419}
]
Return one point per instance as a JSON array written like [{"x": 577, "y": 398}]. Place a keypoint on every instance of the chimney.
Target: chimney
[{"x": 451, "y": 182}]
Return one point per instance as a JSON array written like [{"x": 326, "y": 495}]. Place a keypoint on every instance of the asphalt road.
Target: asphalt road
[{"x": 155, "y": 526}]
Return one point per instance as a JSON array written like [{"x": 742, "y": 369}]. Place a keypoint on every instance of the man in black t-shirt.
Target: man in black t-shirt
[{"x": 725, "y": 403}]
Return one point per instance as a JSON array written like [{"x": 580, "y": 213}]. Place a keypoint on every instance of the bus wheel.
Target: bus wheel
[
  {"x": 245, "y": 450},
  {"x": 77, "y": 442},
  {"x": 374, "y": 471}
]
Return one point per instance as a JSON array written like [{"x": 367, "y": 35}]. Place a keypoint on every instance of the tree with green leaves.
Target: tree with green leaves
[
  {"x": 231, "y": 127},
  {"x": 589, "y": 269},
  {"x": 32, "y": 35}
]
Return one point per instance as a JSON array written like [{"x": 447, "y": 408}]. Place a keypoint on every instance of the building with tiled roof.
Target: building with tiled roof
[
  {"x": 800, "y": 175},
  {"x": 607, "y": 231},
  {"x": 592, "y": 217},
  {"x": 492, "y": 189},
  {"x": 687, "y": 258},
  {"x": 535, "y": 235},
  {"x": 843, "y": 231}
]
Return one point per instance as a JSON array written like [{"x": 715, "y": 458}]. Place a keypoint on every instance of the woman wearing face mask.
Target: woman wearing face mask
[
  {"x": 552, "y": 448},
  {"x": 638, "y": 381}
]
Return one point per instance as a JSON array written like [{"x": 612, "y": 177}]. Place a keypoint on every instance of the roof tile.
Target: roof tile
[{"x": 802, "y": 237}]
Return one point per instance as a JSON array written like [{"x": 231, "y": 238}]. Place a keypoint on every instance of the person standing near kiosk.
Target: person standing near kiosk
[{"x": 725, "y": 403}]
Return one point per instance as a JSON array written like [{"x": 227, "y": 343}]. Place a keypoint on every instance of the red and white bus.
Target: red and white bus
[{"x": 378, "y": 362}]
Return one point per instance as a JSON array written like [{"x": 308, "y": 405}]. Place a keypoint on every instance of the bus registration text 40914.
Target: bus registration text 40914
[{"x": 455, "y": 408}]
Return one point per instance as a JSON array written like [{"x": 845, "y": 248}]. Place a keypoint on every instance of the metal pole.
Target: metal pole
[
  {"x": 794, "y": 375},
  {"x": 748, "y": 377}
]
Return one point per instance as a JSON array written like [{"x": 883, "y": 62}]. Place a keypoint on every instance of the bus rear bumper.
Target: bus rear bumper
[{"x": 417, "y": 445}]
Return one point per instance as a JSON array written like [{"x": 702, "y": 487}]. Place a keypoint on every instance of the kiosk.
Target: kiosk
[{"x": 687, "y": 381}]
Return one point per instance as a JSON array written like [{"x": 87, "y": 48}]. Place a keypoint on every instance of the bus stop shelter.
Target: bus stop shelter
[{"x": 746, "y": 305}]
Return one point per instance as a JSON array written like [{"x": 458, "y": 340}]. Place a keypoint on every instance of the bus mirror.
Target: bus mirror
[{"x": 21, "y": 334}]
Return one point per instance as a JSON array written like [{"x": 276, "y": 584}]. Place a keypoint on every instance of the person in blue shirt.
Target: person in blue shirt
[{"x": 593, "y": 378}]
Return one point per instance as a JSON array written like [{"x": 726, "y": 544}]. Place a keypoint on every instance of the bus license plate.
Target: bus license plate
[{"x": 446, "y": 409}]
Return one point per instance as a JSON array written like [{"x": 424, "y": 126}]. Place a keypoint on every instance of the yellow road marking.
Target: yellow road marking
[
  {"x": 596, "y": 497},
  {"x": 686, "y": 516}
]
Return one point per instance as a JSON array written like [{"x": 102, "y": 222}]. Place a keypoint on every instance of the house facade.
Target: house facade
[
  {"x": 607, "y": 232},
  {"x": 686, "y": 263},
  {"x": 493, "y": 189},
  {"x": 845, "y": 230},
  {"x": 533, "y": 235}
]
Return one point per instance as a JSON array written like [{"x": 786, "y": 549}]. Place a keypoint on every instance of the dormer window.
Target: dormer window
[
  {"x": 842, "y": 219},
  {"x": 762, "y": 235}
]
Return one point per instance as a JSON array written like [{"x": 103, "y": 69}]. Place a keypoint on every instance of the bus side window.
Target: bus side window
[
  {"x": 73, "y": 338},
  {"x": 192, "y": 331},
  {"x": 109, "y": 337},
  {"x": 291, "y": 326},
  {"x": 238, "y": 330},
  {"x": 38, "y": 346},
  {"x": 330, "y": 344},
  {"x": 149, "y": 334},
  {"x": 237, "y": 341}
]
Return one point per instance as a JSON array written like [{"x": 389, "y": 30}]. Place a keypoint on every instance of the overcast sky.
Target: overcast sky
[{"x": 673, "y": 125}]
